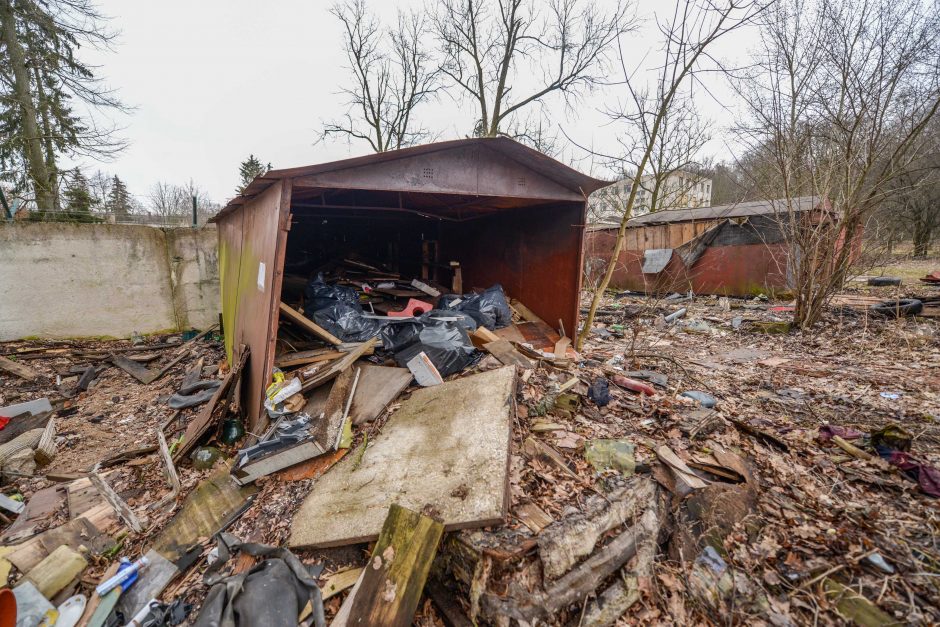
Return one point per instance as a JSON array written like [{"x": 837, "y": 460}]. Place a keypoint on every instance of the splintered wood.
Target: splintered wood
[{"x": 444, "y": 449}]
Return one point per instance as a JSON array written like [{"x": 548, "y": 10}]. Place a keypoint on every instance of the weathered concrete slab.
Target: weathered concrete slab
[{"x": 444, "y": 452}]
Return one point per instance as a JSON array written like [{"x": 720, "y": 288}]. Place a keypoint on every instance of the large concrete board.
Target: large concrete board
[{"x": 445, "y": 452}]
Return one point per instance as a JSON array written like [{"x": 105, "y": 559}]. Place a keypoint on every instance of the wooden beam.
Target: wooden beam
[
  {"x": 506, "y": 353},
  {"x": 391, "y": 585},
  {"x": 308, "y": 325},
  {"x": 23, "y": 372},
  {"x": 338, "y": 366}
]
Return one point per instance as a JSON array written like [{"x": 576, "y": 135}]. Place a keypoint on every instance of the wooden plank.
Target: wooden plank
[
  {"x": 303, "y": 358},
  {"x": 338, "y": 366},
  {"x": 561, "y": 347},
  {"x": 89, "y": 530},
  {"x": 378, "y": 386},
  {"x": 279, "y": 461},
  {"x": 94, "y": 600},
  {"x": 325, "y": 429},
  {"x": 18, "y": 369},
  {"x": 201, "y": 423},
  {"x": 40, "y": 507},
  {"x": 482, "y": 336},
  {"x": 390, "y": 588},
  {"x": 308, "y": 325},
  {"x": 122, "y": 509},
  {"x": 423, "y": 456},
  {"x": 451, "y": 612},
  {"x": 340, "y": 581},
  {"x": 533, "y": 516},
  {"x": 57, "y": 571},
  {"x": 312, "y": 468},
  {"x": 507, "y": 354},
  {"x": 206, "y": 509},
  {"x": 82, "y": 497},
  {"x": 135, "y": 369},
  {"x": 524, "y": 312}
]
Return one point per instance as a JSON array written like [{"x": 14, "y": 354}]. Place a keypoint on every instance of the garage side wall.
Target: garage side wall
[
  {"x": 535, "y": 253},
  {"x": 250, "y": 240}
]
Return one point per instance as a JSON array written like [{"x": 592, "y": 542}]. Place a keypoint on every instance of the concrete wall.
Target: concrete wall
[{"x": 86, "y": 280}]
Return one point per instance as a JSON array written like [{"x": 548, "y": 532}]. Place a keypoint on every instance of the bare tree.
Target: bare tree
[
  {"x": 838, "y": 99},
  {"x": 393, "y": 74},
  {"x": 645, "y": 112},
  {"x": 506, "y": 56}
]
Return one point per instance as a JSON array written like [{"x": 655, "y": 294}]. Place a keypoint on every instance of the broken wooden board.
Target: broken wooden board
[
  {"x": 18, "y": 369},
  {"x": 41, "y": 506},
  {"x": 680, "y": 470},
  {"x": 150, "y": 584},
  {"x": 201, "y": 423},
  {"x": 324, "y": 431},
  {"x": 482, "y": 336},
  {"x": 390, "y": 588},
  {"x": 82, "y": 496},
  {"x": 378, "y": 386},
  {"x": 446, "y": 447},
  {"x": 302, "y": 358},
  {"x": 140, "y": 372},
  {"x": 57, "y": 570},
  {"x": 206, "y": 510},
  {"x": 279, "y": 460},
  {"x": 22, "y": 424},
  {"x": 339, "y": 365},
  {"x": 312, "y": 468},
  {"x": 308, "y": 325},
  {"x": 533, "y": 516},
  {"x": 524, "y": 312},
  {"x": 507, "y": 354},
  {"x": 91, "y": 530},
  {"x": 340, "y": 581}
]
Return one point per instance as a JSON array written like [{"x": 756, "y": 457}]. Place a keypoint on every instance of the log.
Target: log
[
  {"x": 564, "y": 542},
  {"x": 530, "y": 607},
  {"x": 390, "y": 587}
]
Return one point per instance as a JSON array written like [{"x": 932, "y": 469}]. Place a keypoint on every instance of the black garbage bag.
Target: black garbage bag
[
  {"x": 446, "y": 344},
  {"x": 320, "y": 295},
  {"x": 490, "y": 309},
  {"x": 463, "y": 319},
  {"x": 397, "y": 335},
  {"x": 347, "y": 321}
]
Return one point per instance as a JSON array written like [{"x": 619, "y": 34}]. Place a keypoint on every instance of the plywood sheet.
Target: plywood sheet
[
  {"x": 446, "y": 448},
  {"x": 378, "y": 386}
]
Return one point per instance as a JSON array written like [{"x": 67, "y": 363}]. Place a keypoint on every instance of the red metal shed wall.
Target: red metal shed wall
[
  {"x": 738, "y": 270},
  {"x": 534, "y": 253}
]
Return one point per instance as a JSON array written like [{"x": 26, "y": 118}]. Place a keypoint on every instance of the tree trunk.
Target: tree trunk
[
  {"x": 51, "y": 169},
  {"x": 921, "y": 239},
  {"x": 32, "y": 140}
]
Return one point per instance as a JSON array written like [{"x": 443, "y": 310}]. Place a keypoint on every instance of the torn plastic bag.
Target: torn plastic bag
[
  {"x": 463, "y": 319},
  {"x": 272, "y": 593},
  {"x": 446, "y": 344},
  {"x": 397, "y": 335},
  {"x": 489, "y": 309},
  {"x": 319, "y": 295},
  {"x": 347, "y": 322}
]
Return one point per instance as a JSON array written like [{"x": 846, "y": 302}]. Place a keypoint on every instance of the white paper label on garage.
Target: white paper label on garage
[{"x": 260, "y": 276}]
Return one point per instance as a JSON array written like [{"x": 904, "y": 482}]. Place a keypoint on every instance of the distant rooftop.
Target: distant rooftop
[{"x": 739, "y": 210}]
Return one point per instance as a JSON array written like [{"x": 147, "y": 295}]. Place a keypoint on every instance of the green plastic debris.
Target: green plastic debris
[{"x": 611, "y": 454}]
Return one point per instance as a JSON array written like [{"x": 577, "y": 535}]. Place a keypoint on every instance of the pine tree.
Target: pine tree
[
  {"x": 249, "y": 169},
  {"x": 78, "y": 198},
  {"x": 119, "y": 199},
  {"x": 48, "y": 85}
]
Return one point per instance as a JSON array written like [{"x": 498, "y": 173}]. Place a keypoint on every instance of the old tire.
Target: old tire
[{"x": 898, "y": 308}]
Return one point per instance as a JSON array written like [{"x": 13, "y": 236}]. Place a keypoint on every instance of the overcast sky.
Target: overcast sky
[{"x": 214, "y": 80}]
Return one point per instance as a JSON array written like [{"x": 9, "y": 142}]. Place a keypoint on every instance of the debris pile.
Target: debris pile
[{"x": 437, "y": 456}]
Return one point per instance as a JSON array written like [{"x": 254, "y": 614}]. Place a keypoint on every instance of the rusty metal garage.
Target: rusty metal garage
[{"x": 505, "y": 212}]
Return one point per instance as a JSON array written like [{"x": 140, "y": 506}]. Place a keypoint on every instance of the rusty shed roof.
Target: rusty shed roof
[
  {"x": 541, "y": 164},
  {"x": 738, "y": 210}
]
